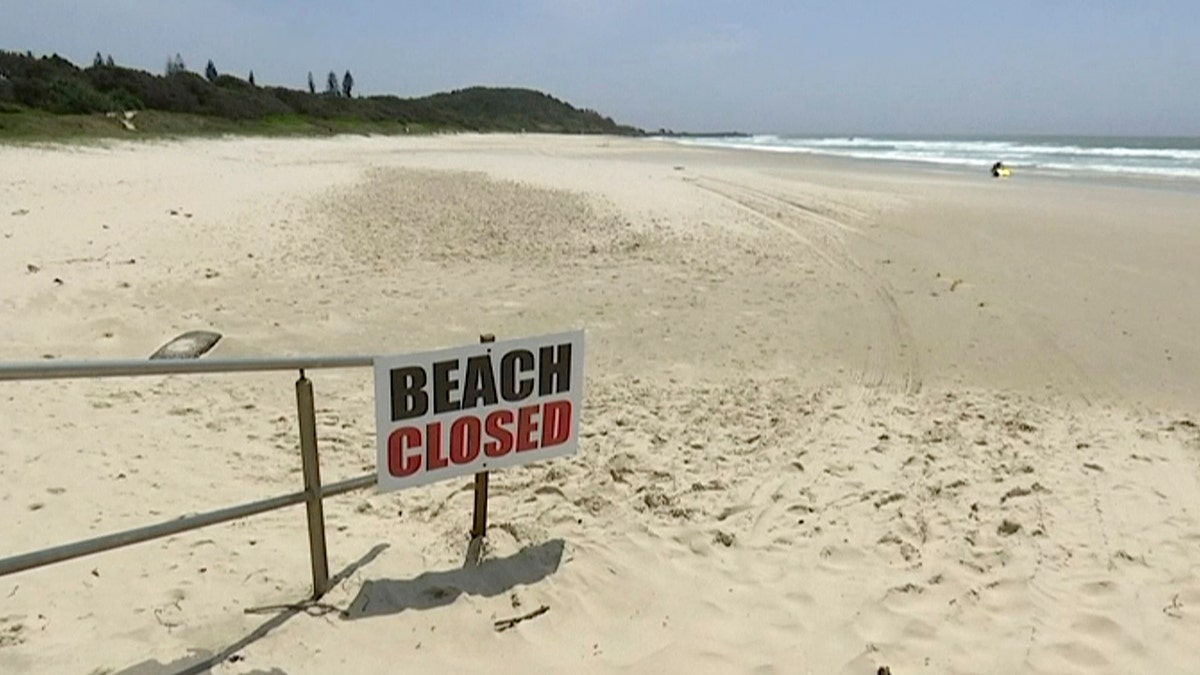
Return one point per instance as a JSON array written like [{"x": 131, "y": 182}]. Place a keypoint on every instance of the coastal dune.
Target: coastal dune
[{"x": 839, "y": 416}]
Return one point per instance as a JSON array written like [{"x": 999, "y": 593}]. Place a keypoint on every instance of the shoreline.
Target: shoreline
[{"x": 1149, "y": 180}]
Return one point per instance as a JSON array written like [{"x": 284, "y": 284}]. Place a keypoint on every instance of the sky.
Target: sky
[{"x": 1103, "y": 67}]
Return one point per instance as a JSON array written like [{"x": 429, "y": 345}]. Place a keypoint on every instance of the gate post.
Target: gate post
[{"x": 312, "y": 485}]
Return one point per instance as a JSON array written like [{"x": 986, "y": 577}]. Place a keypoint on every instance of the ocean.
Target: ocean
[{"x": 1152, "y": 157}]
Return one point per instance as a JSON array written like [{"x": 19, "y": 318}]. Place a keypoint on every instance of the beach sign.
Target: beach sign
[{"x": 478, "y": 408}]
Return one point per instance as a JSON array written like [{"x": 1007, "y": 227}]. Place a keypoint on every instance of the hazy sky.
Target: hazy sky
[{"x": 845, "y": 66}]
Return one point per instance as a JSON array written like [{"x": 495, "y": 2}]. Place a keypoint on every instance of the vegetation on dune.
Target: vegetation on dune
[
  {"x": 521, "y": 109},
  {"x": 49, "y": 96}
]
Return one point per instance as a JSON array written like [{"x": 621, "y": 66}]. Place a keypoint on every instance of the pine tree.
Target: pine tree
[
  {"x": 98, "y": 61},
  {"x": 312, "y": 86},
  {"x": 251, "y": 79},
  {"x": 331, "y": 85},
  {"x": 210, "y": 71},
  {"x": 176, "y": 65},
  {"x": 347, "y": 84},
  {"x": 109, "y": 62}
]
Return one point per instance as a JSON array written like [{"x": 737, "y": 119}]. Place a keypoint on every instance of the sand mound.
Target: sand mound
[{"x": 404, "y": 214}]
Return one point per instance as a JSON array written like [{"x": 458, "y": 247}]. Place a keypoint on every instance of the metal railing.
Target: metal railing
[{"x": 312, "y": 495}]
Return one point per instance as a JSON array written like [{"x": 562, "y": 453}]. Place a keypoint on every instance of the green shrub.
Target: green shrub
[
  {"x": 73, "y": 97},
  {"x": 123, "y": 100}
]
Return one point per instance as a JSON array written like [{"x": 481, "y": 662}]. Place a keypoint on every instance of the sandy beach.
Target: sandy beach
[{"x": 840, "y": 415}]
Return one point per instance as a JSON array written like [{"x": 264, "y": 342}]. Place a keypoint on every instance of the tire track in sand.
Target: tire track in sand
[{"x": 892, "y": 361}]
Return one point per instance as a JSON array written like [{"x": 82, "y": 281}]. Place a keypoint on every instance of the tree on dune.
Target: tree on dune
[
  {"x": 312, "y": 85},
  {"x": 98, "y": 61},
  {"x": 175, "y": 65},
  {"x": 347, "y": 84},
  {"x": 331, "y": 86},
  {"x": 109, "y": 62},
  {"x": 251, "y": 78},
  {"x": 210, "y": 71}
]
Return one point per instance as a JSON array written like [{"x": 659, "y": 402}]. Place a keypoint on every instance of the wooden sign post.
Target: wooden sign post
[{"x": 479, "y": 524}]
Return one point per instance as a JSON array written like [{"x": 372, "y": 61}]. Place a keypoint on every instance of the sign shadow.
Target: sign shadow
[{"x": 382, "y": 597}]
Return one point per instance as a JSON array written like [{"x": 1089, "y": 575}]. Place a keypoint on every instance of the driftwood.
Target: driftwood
[{"x": 504, "y": 624}]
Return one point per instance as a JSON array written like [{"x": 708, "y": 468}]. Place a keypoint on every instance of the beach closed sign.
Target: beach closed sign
[{"x": 483, "y": 407}]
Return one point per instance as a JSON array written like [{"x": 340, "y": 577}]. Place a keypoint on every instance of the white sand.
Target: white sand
[{"x": 839, "y": 415}]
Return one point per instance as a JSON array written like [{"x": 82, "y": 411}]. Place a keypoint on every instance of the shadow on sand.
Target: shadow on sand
[
  {"x": 201, "y": 661},
  {"x": 435, "y": 589},
  {"x": 382, "y": 597}
]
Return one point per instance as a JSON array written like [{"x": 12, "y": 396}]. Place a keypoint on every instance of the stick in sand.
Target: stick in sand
[{"x": 504, "y": 624}]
